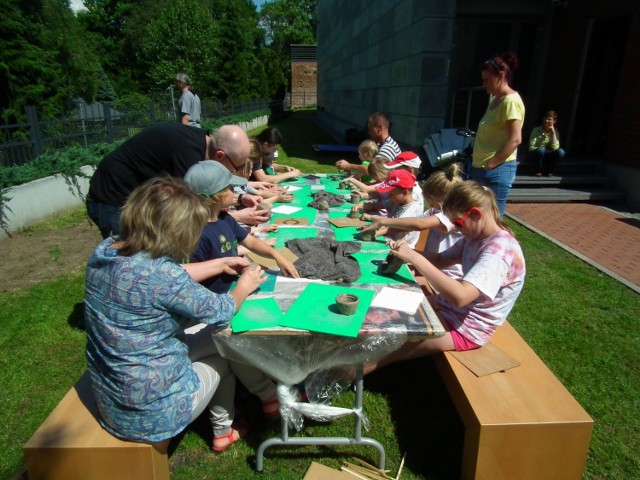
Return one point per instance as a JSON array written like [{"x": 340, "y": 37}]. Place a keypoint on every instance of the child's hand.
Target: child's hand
[
  {"x": 401, "y": 250},
  {"x": 287, "y": 268},
  {"x": 294, "y": 172},
  {"x": 367, "y": 217},
  {"x": 265, "y": 229},
  {"x": 252, "y": 277},
  {"x": 357, "y": 207},
  {"x": 342, "y": 164}
]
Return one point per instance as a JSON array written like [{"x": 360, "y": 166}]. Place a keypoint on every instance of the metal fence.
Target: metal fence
[{"x": 101, "y": 123}]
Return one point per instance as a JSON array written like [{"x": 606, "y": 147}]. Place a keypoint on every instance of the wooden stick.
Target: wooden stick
[{"x": 400, "y": 468}]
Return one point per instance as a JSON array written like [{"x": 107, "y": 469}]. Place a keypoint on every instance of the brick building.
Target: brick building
[{"x": 304, "y": 77}]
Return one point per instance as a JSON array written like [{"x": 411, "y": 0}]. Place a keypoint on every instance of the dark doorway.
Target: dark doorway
[
  {"x": 598, "y": 87},
  {"x": 476, "y": 39}
]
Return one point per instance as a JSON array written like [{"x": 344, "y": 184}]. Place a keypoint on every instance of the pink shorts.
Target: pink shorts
[{"x": 462, "y": 343}]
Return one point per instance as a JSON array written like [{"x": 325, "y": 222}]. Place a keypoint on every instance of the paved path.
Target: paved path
[{"x": 608, "y": 240}]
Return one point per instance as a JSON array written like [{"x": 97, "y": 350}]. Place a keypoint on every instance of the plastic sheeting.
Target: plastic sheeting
[{"x": 324, "y": 363}]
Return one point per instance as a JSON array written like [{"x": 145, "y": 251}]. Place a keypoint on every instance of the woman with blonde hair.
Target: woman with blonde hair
[
  {"x": 493, "y": 266},
  {"x": 138, "y": 300}
]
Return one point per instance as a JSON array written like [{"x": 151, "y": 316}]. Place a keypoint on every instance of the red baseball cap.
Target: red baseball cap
[
  {"x": 410, "y": 159},
  {"x": 397, "y": 178}
]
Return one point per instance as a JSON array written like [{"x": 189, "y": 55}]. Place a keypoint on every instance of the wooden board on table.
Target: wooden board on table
[
  {"x": 346, "y": 222},
  {"x": 268, "y": 262}
]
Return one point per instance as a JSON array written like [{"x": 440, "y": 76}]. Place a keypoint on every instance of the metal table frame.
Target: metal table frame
[{"x": 357, "y": 439}]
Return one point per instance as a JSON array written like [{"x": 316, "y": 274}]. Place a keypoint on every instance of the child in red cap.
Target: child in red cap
[{"x": 398, "y": 189}]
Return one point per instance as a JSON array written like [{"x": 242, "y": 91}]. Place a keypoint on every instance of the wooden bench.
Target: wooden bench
[
  {"x": 71, "y": 445},
  {"x": 520, "y": 423}
]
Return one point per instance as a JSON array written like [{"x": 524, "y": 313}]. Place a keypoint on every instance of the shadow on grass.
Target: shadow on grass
[
  {"x": 427, "y": 426},
  {"x": 76, "y": 317},
  {"x": 299, "y": 133}
]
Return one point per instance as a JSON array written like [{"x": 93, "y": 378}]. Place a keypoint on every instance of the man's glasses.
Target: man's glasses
[
  {"x": 460, "y": 221},
  {"x": 236, "y": 168}
]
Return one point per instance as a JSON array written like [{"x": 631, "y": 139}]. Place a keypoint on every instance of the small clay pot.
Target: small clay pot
[
  {"x": 354, "y": 214},
  {"x": 355, "y": 197},
  {"x": 266, "y": 207},
  {"x": 367, "y": 236},
  {"x": 344, "y": 185},
  {"x": 390, "y": 265},
  {"x": 323, "y": 205},
  {"x": 347, "y": 303}
]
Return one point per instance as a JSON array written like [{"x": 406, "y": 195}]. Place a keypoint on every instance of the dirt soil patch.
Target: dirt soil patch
[{"x": 45, "y": 253}]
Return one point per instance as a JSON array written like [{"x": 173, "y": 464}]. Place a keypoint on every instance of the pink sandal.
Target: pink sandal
[{"x": 238, "y": 430}]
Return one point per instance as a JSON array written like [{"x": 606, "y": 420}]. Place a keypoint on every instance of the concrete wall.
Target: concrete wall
[
  {"x": 367, "y": 49},
  {"x": 33, "y": 202}
]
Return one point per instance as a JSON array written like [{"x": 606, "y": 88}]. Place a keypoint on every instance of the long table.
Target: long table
[{"x": 292, "y": 356}]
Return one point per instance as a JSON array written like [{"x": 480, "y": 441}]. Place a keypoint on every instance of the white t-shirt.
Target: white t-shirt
[
  {"x": 412, "y": 209},
  {"x": 495, "y": 266},
  {"x": 439, "y": 241}
]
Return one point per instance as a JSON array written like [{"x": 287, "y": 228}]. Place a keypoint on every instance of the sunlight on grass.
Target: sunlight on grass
[{"x": 582, "y": 323}]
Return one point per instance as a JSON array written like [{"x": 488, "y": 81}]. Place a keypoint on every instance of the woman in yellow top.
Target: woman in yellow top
[
  {"x": 544, "y": 146},
  {"x": 500, "y": 129}
]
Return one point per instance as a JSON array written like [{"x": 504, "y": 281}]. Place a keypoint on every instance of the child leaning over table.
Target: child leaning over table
[
  {"x": 493, "y": 266},
  {"x": 367, "y": 151},
  {"x": 398, "y": 187},
  {"x": 442, "y": 233},
  {"x": 222, "y": 234},
  {"x": 219, "y": 239}
]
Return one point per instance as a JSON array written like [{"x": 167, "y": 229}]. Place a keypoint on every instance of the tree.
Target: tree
[
  {"x": 286, "y": 22},
  {"x": 242, "y": 73},
  {"x": 183, "y": 38},
  {"x": 45, "y": 62}
]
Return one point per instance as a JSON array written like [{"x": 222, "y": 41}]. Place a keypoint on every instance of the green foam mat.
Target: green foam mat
[
  {"x": 315, "y": 310},
  {"x": 369, "y": 263}
]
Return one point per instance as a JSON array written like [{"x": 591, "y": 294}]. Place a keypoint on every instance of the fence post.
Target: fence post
[
  {"x": 34, "y": 130},
  {"x": 152, "y": 112},
  {"x": 108, "y": 123}
]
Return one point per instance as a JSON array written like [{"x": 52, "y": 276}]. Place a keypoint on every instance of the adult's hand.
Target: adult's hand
[
  {"x": 251, "y": 200},
  {"x": 251, "y": 278},
  {"x": 250, "y": 216},
  {"x": 200, "y": 271},
  {"x": 262, "y": 185}
]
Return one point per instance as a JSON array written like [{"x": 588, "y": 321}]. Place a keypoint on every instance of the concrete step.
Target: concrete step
[
  {"x": 563, "y": 179},
  {"x": 558, "y": 195}
]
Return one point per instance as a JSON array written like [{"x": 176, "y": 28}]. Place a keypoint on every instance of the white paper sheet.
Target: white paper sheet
[
  {"x": 286, "y": 209},
  {"x": 396, "y": 299}
]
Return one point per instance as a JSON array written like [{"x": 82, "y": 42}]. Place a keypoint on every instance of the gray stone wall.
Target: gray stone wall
[{"x": 388, "y": 55}]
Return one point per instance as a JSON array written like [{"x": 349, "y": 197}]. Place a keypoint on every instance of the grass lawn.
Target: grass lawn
[{"x": 582, "y": 323}]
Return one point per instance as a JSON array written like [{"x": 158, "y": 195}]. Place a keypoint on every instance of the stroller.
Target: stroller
[{"x": 450, "y": 145}]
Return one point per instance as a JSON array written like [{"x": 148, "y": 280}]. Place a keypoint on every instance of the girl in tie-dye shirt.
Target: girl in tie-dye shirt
[{"x": 493, "y": 267}]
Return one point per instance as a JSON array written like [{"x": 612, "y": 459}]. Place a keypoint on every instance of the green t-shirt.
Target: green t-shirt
[{"x": 492, "y": 132}]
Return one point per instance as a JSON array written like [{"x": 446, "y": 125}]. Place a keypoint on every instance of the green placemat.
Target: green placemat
[
  {"x": 284, "y": 234},
  {"x": 255, "y": 314},
  {"x": 369, "y": 263},
  {"x": 315, "y": 310},
  {"x": 349, "y": 234}
]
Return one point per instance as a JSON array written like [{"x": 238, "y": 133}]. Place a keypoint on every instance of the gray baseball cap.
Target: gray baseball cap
[{"x": 209, "y": 177}]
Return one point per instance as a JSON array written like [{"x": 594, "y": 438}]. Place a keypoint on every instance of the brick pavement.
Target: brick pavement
[{"x": 606, "y": 239}]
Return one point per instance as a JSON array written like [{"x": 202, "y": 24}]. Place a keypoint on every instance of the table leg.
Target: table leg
[{"x": 357, "y": 438}]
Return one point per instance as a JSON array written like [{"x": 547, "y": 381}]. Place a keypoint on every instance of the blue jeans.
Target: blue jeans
[
  {"x": 544, "y": 161},
  {"x": 106, "y": 217},
  {"x": 499, "y": 180}
]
